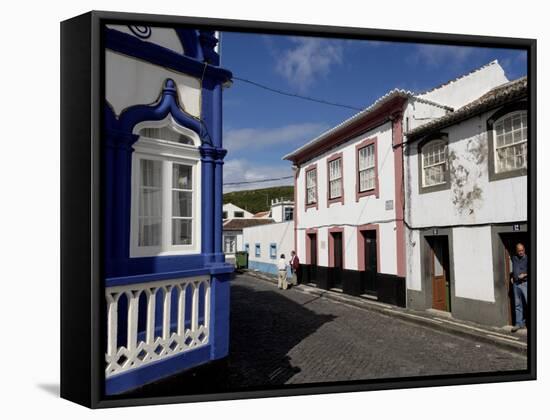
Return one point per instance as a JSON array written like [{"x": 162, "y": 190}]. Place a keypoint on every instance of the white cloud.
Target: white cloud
[
  {"x": 307, "y": 60},
  {"x": 258, "y": 138},
  {"x": 437, "y": 55},
  {"x": 243, "y": 170}
]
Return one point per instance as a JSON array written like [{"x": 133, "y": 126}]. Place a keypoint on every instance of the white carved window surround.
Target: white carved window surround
[
  {"x": 434, "y": 163},
  {"x": 165, "y": 209},
  {"x": 510, "y": 134}
]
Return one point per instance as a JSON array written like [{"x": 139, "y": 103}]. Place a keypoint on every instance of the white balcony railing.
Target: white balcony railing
[{"x": 173, "y": 337}]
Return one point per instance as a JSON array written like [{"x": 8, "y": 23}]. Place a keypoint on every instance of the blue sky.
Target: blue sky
[{"x": 260, "y": 126}]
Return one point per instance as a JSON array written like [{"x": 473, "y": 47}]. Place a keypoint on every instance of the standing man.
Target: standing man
[
  {"x": 294, "y": 265},
  {"x": 519, "y": 281},
  {"x": 282, "y": 283}
]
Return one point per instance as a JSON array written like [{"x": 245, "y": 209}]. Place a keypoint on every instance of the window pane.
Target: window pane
[
  {"x": 311, "y": 178},
  {"x": 335, "y": 189},
  {"x": 182, "y": 176},
  {"x": 181, "y": 231},
  {"x": 310, "y": 195},
  {"x": 507, "y": 124},
  {"x": 182, "y": 204},
  {"x": 165, "y": 133},
  {"x": 151, "y": 173},
  {"x": 150, "y": 202},
  {"x": 516, "y": 122},
  {"x": 366, "y": 180},
  {"x": 149, "y": 232},
  {"x": 335, "y": 169},
  {"x": 366, "y": 157}
]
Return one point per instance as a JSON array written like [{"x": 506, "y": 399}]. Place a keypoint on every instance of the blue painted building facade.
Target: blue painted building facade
[{"x": 166, "y": 280}]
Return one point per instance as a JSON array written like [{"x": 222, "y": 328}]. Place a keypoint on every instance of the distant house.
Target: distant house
[
  {"x": 265, "y": 243},
  {"x": 231, "y": 211},
  {"x": 350, "y": 227},
  {"x": 467, "y": 206},
  {"x": 233, "y": 234}
]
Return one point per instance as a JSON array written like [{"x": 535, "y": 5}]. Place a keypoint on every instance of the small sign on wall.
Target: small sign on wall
[{"x": 389, "y": 204}]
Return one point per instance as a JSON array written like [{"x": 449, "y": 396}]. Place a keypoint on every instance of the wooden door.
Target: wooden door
[
  {"x": 338, "y": 254},
  {"x": 440, "y": 281},
  {"x": 338, "y": 259},
  {"x": 371, "y": 260},
  {"x": 313, "y": 248}
]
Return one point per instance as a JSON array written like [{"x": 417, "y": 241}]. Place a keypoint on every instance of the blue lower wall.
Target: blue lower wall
[{"x": 265, "y": 267}]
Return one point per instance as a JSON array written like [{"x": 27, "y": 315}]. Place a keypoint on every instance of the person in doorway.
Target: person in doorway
[
  {"x": 519, "y": 281},
  {"x": 294, "y": 265},
  {"x": 282, "y": 283}
]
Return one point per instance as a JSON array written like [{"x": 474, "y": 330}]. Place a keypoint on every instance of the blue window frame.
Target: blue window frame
[
  {"x": 247, "y": 247},
  {"x": 273, "y": 251},
  {"x": 258, "y": 251}
]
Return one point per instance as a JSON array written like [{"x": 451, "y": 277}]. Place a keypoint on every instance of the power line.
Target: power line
[
  {"x": 295, "y": 95},
  {"x": 260, "y": 180}
]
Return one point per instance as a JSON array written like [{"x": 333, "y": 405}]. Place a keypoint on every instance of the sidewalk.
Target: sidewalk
[{"x": 501, "y": 337}]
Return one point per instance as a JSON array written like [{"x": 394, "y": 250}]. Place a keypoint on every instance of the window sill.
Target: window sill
[
  {"x": 367, "y": 193},
  {"x": 312, "y": 206},
  {"x": 509, "y": 174},
  {"x": 332, "y": 201}
]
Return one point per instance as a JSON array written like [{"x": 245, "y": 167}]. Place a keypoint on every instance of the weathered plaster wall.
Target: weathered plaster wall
[{"x": 471, "y": 198}]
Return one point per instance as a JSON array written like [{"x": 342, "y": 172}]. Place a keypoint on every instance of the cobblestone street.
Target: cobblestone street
[{"x": 290, "y": 337}]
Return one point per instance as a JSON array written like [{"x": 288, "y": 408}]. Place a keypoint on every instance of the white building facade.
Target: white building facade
[
  {"x": 466, "y": 206},
  {"x": 266, "y": 243},
  {"x": 350, "y": 229}
]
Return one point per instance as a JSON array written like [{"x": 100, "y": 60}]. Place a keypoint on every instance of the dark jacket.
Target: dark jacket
[
  {"x": 295, "y": 263},
  {"x": 519, "y": 265}
]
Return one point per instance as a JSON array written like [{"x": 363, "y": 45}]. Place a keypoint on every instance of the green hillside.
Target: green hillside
[{"x": 258, "y": 200}]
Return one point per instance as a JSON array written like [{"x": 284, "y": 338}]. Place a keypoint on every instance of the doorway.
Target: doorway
[
  {"x": 371, "y": 260},
  {"x": 312, "y": 261},
  {"x": 509, "y": 242},
  {"x": 439, "y": 272},
  {"x": 337, "y": 260}
]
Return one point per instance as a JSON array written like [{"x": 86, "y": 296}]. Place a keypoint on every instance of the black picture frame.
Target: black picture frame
[{"x": 82, "y": 303}]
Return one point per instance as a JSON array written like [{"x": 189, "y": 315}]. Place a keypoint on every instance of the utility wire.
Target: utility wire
[
  {"x": 295, "y": 95},
  {"x": 260, "y": 180}
]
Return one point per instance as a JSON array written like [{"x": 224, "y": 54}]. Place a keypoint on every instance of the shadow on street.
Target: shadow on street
[{"x": 265, "y": 326}]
